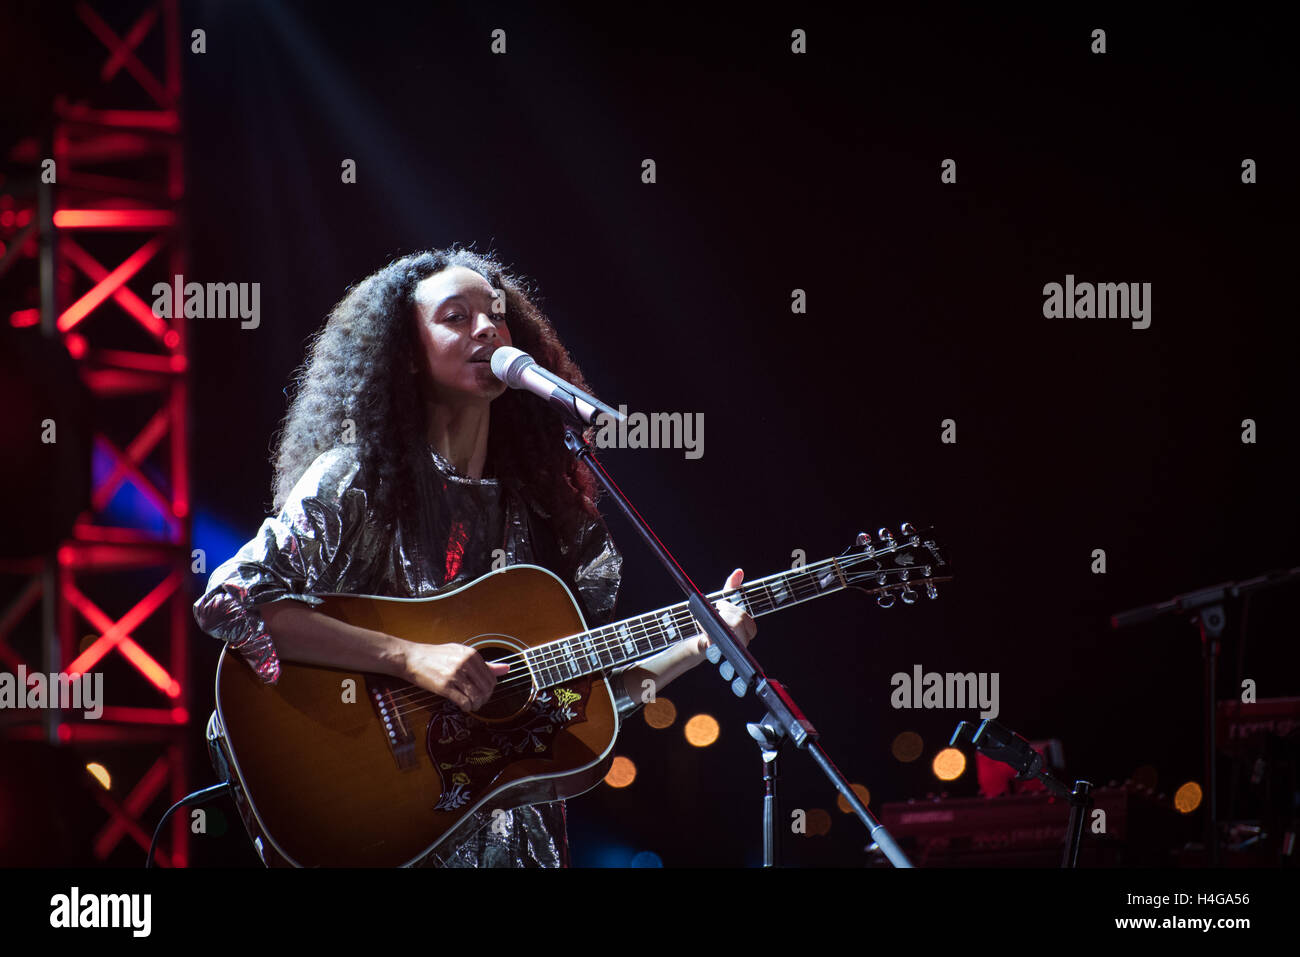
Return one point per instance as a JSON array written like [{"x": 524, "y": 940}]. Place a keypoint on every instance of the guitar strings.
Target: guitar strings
[
  {"x": 545, "y": 656},
  {"x": 609, "y": 638},
  {"x": 508, "y": 684},
  {"x": 548, "y": 655}
]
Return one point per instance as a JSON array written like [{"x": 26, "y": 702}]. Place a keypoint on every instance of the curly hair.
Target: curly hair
[{"x": 359, "y": 368}]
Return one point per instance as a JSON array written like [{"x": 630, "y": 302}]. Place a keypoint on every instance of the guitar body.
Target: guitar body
[{"x": 334, "y": 768}]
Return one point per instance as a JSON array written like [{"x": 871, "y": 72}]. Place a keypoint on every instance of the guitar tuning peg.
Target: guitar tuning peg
[
  {"x": 726, "y": 671},
  {"x": 908, "y": 529},
  {"x": 864, "y": 538},
  {"x": 885, "y": 601},
  {"x": 886, "y": 536},
  {"x": 714, "y": 654},
  {"x": 908, "y": 596},
  {"x": 931, "y": 591}
]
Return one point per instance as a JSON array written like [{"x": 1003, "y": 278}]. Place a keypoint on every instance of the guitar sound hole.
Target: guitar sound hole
[{"x": 513, "y": 691}]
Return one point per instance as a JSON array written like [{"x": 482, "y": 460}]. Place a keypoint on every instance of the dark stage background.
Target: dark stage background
[{"x": 818, "y": 172}]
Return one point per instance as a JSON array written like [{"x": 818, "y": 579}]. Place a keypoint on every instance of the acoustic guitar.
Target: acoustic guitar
[{"x": 332, "y": 768}]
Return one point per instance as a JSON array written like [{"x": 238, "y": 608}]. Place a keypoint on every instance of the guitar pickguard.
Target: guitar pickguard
[{"x": 470, "y": 754}]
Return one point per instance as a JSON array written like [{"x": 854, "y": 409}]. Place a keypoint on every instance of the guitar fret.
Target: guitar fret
[
  {"x": 541, "y": 667},
  {"x": 648, "y": 641},
  {"x": 569, "y": 660},
  {"x": 591, "y": 652},
  {"x": 686, "y": 623},
  {"x": 628, "y": 644},
  {"x": 633, "y": 634},
  {"x": 654, "y": 633},
  {"x": 779, "y": 594},
  {"x": 608, "y": 649}
]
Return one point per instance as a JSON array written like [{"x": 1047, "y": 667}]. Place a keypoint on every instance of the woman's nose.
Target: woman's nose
[{"x": 484, "y": 327}]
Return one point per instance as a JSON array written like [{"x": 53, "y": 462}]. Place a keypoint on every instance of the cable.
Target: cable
[{"x": 198, "y": 797}]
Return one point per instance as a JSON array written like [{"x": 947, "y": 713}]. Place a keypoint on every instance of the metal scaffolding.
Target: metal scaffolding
[{"x": 107, "y": 215}]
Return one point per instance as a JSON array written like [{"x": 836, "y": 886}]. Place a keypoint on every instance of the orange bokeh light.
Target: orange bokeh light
[
  {"x": 660, "y": 713},
  {"x": 860, "y": 790},
  {"x": 621, "y": 773},
  {"x": 949, "y": 764},
  {"x": 907, "y": 746},
  {"x": 1188, "y": 797},
  {"x": 100, "y": 774},
  {"x": 702, "y": 730},
  {"x": 819, "y": 821}
]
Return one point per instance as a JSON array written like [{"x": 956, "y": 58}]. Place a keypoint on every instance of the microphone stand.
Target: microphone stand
[
  {"x": 1207, "y": 609},
  {"x": 769, "y": 740},
  {"x": 784, "y": 717},
  {"x": 1003, "y": 744}
]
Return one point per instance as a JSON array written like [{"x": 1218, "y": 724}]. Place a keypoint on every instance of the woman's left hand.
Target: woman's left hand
[{"x": 740, "y": 622}]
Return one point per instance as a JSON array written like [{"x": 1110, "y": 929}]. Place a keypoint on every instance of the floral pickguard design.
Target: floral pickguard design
[{"x": 469, "y": 753}]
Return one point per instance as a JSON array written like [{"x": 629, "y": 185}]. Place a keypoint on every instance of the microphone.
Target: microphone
[{"x": 519, "y": 370}]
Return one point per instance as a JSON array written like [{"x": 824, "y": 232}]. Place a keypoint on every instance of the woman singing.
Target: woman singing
[{"x": 404, "y": 468}]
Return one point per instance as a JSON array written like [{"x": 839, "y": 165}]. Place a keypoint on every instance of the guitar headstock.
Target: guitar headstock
[{"x": 892, "y": 566}]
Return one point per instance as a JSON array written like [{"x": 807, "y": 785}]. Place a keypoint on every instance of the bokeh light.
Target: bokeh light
[
  {"x": 907, "y": 746},
  {"x": 818, "y": 821},
  {"x": 621, "y": 773},
  {"x": 1188, "y": 797},
  {"x": 702, "y": 730},
  {"x": 949, "y": 764},
  {"x": 660, "y": 713},
  {"x": 100, "y": 774},
  {"x": 860, "y": 790}
]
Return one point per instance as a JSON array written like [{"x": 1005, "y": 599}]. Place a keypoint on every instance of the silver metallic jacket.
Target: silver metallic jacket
[{"x": 325, "y": 539}]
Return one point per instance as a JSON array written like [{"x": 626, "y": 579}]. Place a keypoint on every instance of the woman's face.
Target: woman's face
[{"x": 459, "y": 331}]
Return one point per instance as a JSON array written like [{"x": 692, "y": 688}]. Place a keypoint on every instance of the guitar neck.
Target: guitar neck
[{"x": 602, "y": 649}]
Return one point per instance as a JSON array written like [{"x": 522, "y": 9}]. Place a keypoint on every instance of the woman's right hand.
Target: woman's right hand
[{"x": 456, "y": 672}]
